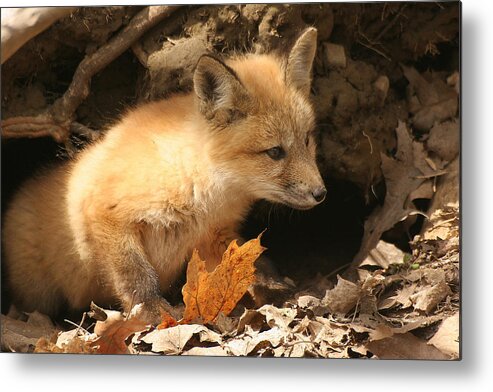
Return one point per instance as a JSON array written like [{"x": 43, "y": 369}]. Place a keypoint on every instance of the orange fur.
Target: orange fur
[{"x": 120, "y": 221}]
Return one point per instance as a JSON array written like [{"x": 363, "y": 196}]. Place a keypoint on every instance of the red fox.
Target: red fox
[{"x": 118, "y": 223}]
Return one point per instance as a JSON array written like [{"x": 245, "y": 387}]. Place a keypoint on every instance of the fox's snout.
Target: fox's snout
[
  {"x": 304, "y": 191},
  {"x": 306, "y": 197},
  {"x": 319, "y": 194}
]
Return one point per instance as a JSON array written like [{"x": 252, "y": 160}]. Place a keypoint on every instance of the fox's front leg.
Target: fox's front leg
[{"x": 128, "y": 272}]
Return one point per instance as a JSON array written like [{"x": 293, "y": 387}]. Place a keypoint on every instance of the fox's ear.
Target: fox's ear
[
  {"x": 220, "y": 91},
  {"x": 300, "y": 61}
]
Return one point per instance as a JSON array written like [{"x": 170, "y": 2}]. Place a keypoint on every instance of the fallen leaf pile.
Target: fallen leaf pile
[
  {"x": 19, "y": 333},
  {"x": 404, "y": 175},
  {"x": 402, "y": 306},
  {"x": 418, "y": 162}
]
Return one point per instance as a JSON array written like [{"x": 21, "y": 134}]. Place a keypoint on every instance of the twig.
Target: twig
[
  {"x": 92, "y": 64},
  {"x": 390, "y": 24},
  {"x": 79, "y": 326},
  {"x": 355, "y": 311},
  {"x": 371, "y": 47},
  {"x": 369, "y": 141},
  {"x": 373, "y": 191},
  {"x": 371, "y": 43},
  {"x": 57, "y": 120},
  {"x": 331, "y": 274},
  {"x": 435, "y": 174}
]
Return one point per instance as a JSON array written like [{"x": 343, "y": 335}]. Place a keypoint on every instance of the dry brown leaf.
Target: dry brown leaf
[
  {"x": 424, "y": 191},
  {"x": 308, "y": 301},
  {"x": 312, "y": 303},
  {"x": 343, "y": 297},
  {"x": 75, "y": 342},
  {"x": 266, "y": 316},
  {"x": 67, "y": 342},
  {"x": 334, "y": 334},
  {"x": 444, "y": 140},
  {"x": 403, "y": 175},
  {"x": 424, "y": 90},
  {"x": 167, "y": 320},
  {"x": 428, "y": 299},
  {"x": 226, "y": 325},
  {"x": 386, "y": 303},
  {"x": 403, "y": 296},
  {"x": 436, "y": 100},
  {"x": 22, "y": 336},
  {"x": 268, "y": 288},
  {"x": 251, "y": 341},
  {"x": 251, "y": 318},
  {"x": 206, "y": 294},
  {"x": 404, "y": 346},
  {"x": 383, "y": 255},
  {"x": 430, "y": 115},
  {"x": 278, "y": 317},
  {"x": 216, "y": 351},
  {"x": 112, "y": 333},
  {"x": 44, "y": 345},
  {"x": 298, "y": 349},
  {"x": 446, "y": 339},
  {"x": 171, "y": 341}
]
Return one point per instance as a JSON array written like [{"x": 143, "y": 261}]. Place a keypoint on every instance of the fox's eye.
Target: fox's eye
[
  {"x": 276, "y": 153},
  {"x": 307, "y": 141}
]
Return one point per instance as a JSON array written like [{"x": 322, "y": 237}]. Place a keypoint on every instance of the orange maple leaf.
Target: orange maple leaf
[
  {"x": 167, "y": 321},
  {"x": 207, "y": 294}
]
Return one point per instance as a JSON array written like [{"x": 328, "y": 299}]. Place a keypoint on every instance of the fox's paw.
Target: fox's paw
[{"x": 154, "y": 312}]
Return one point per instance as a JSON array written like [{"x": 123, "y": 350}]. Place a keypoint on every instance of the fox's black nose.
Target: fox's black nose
[{"x": 319, "y": 194}]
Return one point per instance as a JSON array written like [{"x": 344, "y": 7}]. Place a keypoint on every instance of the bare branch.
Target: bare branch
[
  {"x": 78, "y": 90},
  {"x": 57, "y": 121}
]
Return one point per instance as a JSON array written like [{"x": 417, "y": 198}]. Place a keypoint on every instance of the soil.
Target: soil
[{"x": 360, "y": 91}]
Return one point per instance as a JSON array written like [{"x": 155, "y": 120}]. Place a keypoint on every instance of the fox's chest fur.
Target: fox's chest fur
[
  {"x": 163, "y": 184},
  {"x": 170, "y": 235}
]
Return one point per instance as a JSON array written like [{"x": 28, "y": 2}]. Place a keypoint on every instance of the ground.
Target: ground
[{"x": 385, "y": 89}]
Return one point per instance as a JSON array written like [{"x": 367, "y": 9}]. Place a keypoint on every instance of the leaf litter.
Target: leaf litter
[{"x": 374, "y": 317}]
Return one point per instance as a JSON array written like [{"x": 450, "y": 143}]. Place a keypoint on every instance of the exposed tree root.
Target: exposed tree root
[
  {"x": 57, "y": 121},
  {"x": 31, "y": 127}
]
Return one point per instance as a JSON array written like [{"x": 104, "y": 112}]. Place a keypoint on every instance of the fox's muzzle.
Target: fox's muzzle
[{"x": 319, "y": 194}]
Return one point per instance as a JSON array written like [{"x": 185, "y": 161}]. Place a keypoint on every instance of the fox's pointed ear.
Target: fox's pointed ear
[
  {"x": 220, "y": 91},
  {"x": 300, "y": 61}
]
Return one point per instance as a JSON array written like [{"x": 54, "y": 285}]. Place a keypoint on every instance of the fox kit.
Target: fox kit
[{"x": 117, "y": 224}]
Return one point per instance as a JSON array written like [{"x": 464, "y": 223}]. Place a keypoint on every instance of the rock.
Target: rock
[
  {"x": 428, "y": 116},
  {"x": 335, "y": 56},
  {"x": 444, "y": 140},
  {"x": 381, "y": 86}
]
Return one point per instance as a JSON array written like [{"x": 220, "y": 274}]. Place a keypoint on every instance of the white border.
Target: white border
[{"x": 473, "y": 373}]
